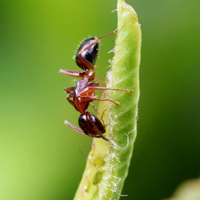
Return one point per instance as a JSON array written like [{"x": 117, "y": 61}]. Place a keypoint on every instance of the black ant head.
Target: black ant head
[{"x": 90, "y": 54}]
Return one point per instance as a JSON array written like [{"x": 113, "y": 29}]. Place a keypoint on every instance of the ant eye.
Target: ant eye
[{"x": 90, "y": 54}]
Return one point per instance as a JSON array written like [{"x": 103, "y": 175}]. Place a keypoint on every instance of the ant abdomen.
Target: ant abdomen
[
  {"x": 91, "y": 125},
  {"x": 90, "y": 54}
]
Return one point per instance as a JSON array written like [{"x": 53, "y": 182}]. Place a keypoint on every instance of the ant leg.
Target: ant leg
[
  {"x": 69, "y": 89},
  {"x": 100, "y": 80},
  {"x": 92, "y": 77},
  {"x": 89, "y": 66},
  {"x": 68, "y": 98},
  {"x": 79, "y": 74},
  {"x": 80, "y": 131},
  {"x": 93, "y": 84},
  {"x": 73, "y": 73},
  {"x": 102, "y": 115},
  {"x": 104, "y": 88},
  {"x": 74, "y": 128},
  {"x": 93, "y": 106},
  {"x": 97, "y": 99}
]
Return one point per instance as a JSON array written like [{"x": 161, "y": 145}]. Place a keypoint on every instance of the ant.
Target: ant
[{"x": 84, "y": 93}]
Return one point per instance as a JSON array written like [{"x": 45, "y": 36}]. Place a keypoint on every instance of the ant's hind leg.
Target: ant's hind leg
[{"x": 74, "y": 127}]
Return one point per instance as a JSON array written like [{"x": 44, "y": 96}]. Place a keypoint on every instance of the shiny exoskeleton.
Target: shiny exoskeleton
[{"x": 81, "y": 96}]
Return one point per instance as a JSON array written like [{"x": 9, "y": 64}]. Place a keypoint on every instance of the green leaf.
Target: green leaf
[{"x": 108, "y": 162}]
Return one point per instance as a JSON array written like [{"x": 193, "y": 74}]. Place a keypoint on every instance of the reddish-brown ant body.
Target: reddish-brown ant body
[{"x": 84, "y": 93}]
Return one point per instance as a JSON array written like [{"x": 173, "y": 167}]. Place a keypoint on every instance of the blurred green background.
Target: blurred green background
[{"x": 41, "y": 158}]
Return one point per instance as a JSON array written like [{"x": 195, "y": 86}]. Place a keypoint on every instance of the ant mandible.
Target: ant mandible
[{"x": 84, "y": 93}]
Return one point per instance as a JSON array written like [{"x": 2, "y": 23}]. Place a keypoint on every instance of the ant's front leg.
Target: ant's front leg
[
  {"x": 81, "y": 74},
  {"x": 74, "y": 73}
]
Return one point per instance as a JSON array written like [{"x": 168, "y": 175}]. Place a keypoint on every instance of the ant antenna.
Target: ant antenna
[
  {"x": 96, "y": 41},
  {"x": 115, "y": 31}
]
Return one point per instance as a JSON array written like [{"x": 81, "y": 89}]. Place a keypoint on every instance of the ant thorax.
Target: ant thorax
[{"x": 82, "y": 88}]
